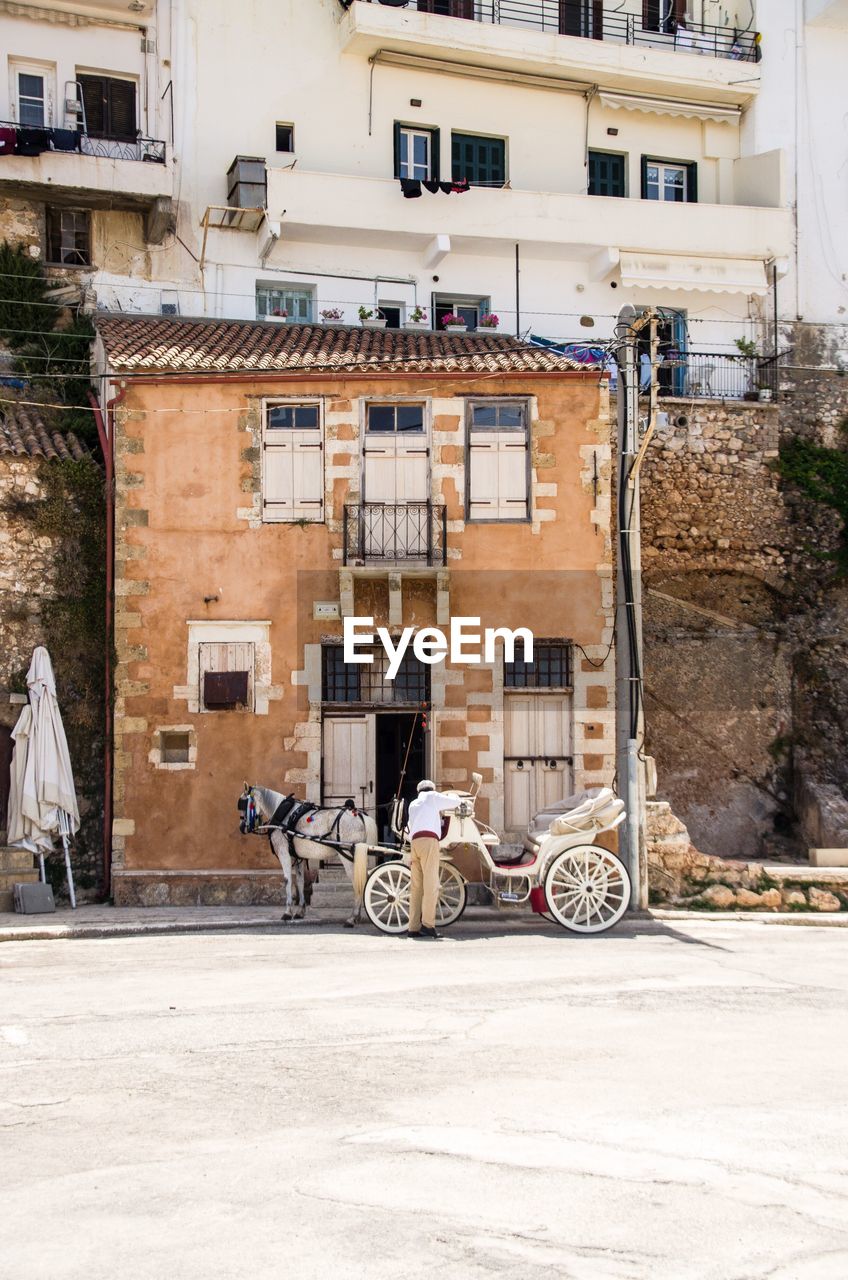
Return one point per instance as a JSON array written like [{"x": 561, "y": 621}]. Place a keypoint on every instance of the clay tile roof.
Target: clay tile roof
[
  {"x": 26, "y": 432},
  {"x": 162, "y": 343}
]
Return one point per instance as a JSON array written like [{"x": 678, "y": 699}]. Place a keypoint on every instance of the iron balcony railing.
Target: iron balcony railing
[
  {"x": 716, "y": 375},
  {"x": 32, "y": 140},
  {"x": 395, "y": 532},
  {"x": 596, "y": 22}
]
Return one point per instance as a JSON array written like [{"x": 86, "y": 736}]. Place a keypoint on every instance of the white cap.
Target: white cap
[{"x": 426, "y": 785}]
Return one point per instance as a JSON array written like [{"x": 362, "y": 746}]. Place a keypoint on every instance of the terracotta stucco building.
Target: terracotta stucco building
[{"x": 272, "y": 480}]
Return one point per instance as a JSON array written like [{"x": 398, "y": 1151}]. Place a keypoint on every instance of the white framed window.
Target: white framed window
[
  {"x": 292, "y": 461},
  {"x": 416, "y": 153},
  {"x": 498, "y": 460},
  {"x": 468, "y": 308},
  {"x": 671, "y": 182},
  {"x": 292, "y": 302},
  {"x": 32, "y": 93},
  {"x": 227, "y": 647}
]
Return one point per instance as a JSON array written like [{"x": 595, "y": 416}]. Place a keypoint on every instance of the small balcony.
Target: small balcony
[
  {"x": 717, "y": 375},
  {"x": 403, "y": 533},
  {"x": 622, "y": 45},
  {"x": 65, "y": 166}
]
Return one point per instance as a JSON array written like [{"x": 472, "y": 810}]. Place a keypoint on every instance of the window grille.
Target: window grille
[
  {"x": 550, "y": 668},
  {"x": 368, "y": 682}
]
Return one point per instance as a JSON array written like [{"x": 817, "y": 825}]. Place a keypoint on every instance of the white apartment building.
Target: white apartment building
[{"x": 246, "y": 162}]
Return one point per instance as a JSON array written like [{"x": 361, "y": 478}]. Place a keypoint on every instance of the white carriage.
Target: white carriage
[{"x": 560, "y": 872}]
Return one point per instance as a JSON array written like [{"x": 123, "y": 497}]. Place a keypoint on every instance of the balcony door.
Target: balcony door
[
  {"x": 662, "y": 15},
  {"x": 581, "y": 18},
  {"x": 396, "y": 481},
  {"x": 449, "y": 8}
]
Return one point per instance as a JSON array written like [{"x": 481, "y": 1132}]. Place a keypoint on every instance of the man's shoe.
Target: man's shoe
[
  {"x": 430, "y": 934},
  {"x": 412, "y": 933}
]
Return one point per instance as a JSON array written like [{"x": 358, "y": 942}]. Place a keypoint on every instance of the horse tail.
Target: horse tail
[{"x": 360, "y": 870}]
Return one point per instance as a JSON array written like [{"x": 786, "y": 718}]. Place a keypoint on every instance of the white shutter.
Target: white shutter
[
  {"x": 293, "y": 475},
  {"x": 498, "y": 483},
  {"x": 537, "y": 744}
]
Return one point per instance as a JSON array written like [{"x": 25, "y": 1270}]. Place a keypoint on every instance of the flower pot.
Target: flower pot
[
  {"x": 417, "y": 326},
  {"x": 278, "y": 319},
  {"x": 487, "y": 328},
  {"x": 764, "y": 395},
  {"x": 373, "y": 324},
  {"x": 333, "y": 324},
  {"x": 456, "y": 328}
]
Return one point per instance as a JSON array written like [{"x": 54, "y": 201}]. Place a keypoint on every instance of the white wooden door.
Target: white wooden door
[
  {"x": 349, "y": 759},
  {"x": 537, "y": 751},
  {"x": 498, "y": 480},
  {"x": 293, "y": 471}
]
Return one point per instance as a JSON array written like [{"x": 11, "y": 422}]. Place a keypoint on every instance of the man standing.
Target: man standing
[{"x": 425, "y": 826}]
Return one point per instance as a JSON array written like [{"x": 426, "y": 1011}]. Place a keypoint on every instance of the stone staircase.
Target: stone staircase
[
  {"x": 333, "y": 892},
  {"x": 16, "y": 867}
]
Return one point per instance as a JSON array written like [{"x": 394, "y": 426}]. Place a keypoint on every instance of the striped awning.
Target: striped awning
[{"x": 669, "y": 107}]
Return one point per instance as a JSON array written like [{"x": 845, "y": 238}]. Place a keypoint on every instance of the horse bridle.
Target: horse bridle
[{"x": 249, "y": 812}]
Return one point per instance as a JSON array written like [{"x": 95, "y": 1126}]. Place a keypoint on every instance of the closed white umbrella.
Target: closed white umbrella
[{"x": 42, "y": 796}]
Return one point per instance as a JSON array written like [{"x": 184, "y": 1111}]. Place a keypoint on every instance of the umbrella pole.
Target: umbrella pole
[
  {"x": 68, "y": 872},
  {"x": 42, "y": 872}
]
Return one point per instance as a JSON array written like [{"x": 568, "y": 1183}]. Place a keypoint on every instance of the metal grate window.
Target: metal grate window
[
  {"x": 550, "y": 668},
  {"x": 368, "y": 683}
]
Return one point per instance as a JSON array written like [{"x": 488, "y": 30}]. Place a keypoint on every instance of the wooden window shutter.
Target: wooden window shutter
[
  {"x": 225, "y": 690},
  {"x": 94, "y": 104},
  {"x": 692, "y": 182},
  {"x": 122, "y": 115},
  {"x": 644, "y": 177}
]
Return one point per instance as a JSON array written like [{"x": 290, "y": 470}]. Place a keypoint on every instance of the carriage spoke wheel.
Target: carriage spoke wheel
[
  {"x": 387, "y": 897},
  {"x": 587, "y": 889}
]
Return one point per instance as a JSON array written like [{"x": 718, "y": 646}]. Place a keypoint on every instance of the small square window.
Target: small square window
[
  {"x": 174, "y": 746},
  {"x": 498, "y": 417},
  {"x": 285, "y": 137},
  {"x": 69, "y": 237},
  {"x": 293, "y": 417}
]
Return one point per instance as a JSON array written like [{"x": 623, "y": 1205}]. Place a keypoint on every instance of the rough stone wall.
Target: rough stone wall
[{"x": 29, "y": 583}]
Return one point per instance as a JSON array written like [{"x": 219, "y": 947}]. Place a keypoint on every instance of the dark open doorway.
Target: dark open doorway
[{"x": 394, "y": 730}]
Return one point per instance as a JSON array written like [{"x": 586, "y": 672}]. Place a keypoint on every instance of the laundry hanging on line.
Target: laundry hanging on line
[{"x": 412, "y": 187}]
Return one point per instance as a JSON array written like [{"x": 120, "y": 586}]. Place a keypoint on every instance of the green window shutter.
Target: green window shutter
[
  {"x": 397, "y": 149},
  {"x": 481, "y": 160},
  {"x": 606, "y": 174},
  {"x": 644, "y": 177},
  {"x": 692, "y": 182},
  {"x": 435, "y": 171}
]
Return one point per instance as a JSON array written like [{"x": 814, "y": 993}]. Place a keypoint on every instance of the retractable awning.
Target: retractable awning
[
  {"x": 669, "y": 107},
  {"x": 710, "y": 275}
]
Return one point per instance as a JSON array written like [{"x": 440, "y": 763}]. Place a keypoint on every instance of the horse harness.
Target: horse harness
[{"x": 288, "y": 814}]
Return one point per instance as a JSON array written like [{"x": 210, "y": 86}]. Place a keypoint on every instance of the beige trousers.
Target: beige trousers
[{"x": 424, "y": 889}]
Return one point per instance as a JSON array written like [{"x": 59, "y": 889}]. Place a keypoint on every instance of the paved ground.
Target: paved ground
[{"x": 663, "y": 1102}]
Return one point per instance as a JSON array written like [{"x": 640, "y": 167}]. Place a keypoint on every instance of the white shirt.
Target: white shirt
[{"x": 425, "y": 811}]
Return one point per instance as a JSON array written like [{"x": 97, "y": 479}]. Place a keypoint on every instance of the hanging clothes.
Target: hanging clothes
[
  {"x": 32, "y": 142},
  {"x": 447, "y": 187},
  {"x": 8, "y": 138},
  {"x": 430, "y": 185},
  {"x": 459, "y": 186},
  {"x": 411, "y": 188},
  {"x": 65, "y": 139}
]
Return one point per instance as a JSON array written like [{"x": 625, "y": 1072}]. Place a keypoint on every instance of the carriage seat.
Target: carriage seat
[{"x": 508, "y": 857}]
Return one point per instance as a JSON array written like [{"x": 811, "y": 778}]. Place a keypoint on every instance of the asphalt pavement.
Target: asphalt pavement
[{"x": 666, "y": 1101}]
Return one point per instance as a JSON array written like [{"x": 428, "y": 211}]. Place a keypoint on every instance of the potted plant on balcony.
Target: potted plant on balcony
[
  {"x": 278, "y": 316},
  {"x": 489, "y": 321},
  {"x": 333, "y": 316},
  {"x": 452, "y": 323},
  {"x": 417, "y": 319},
  {"x": 370, "y": 318},
  {"x": 749, "y": 352}
]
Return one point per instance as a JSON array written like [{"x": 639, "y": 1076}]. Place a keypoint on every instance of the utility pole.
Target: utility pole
[{"x": 630, "y": 718}]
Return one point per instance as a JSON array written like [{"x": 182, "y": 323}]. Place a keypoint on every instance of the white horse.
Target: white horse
[{"x": 345, "y": 826}]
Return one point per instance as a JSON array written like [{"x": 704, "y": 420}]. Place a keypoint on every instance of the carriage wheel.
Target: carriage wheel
[
  {"x": 587, "y": 889},
  {"x": 387, "y": 897}
]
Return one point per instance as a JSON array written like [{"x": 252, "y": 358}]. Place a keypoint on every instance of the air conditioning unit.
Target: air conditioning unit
[{"x": 247, "y": 183}]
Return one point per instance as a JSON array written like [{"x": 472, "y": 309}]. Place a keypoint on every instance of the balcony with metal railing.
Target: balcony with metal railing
[
  {"x": 631, "y": 45},
  {"x": 79, "y": 168},
  {"x": 384, "y": 533}
]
